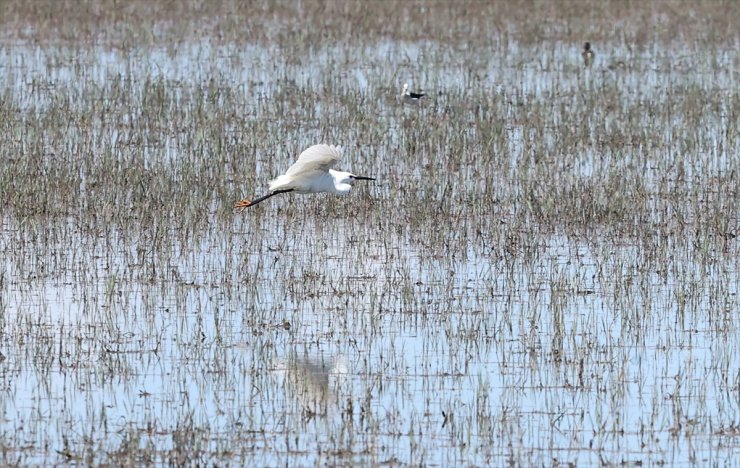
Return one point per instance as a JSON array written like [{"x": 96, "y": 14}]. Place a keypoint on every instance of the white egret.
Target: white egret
[
  {"x": 311, "y": 173},
  {"x": 410, "y": 97},
  {"x": 588, "y": 55}
]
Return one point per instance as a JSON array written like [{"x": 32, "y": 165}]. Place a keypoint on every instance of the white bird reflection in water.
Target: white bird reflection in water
[{"x": 313, "y": 382}]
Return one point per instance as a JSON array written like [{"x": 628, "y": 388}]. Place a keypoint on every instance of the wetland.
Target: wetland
[{"x": 545, "y": 271}]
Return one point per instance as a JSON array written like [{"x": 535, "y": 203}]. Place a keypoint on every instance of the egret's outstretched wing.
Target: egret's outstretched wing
[{"x": 316, "y": 158}]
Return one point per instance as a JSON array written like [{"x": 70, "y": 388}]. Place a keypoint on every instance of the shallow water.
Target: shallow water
[
  {"x": 473, "y": 360},
  {"x": 343, "y": 331}
]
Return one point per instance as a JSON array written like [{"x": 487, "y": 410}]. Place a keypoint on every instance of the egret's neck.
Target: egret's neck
[{"x": 341, "y": 181}]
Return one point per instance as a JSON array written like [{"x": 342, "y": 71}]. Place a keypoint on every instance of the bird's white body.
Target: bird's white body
[
  {"x": 332, "y": 182},
  {"x": 410, "y": 97},
  {"x": 311, "y": 173}
]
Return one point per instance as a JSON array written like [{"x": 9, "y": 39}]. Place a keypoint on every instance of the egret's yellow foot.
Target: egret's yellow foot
[{"x": 243, "y": 204}]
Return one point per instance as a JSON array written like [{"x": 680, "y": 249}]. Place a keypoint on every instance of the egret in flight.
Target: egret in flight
[
  {"x": 312, "y": 173},
  {"x": 588, "y": 55},
  {"x": 409, "y": 97}
]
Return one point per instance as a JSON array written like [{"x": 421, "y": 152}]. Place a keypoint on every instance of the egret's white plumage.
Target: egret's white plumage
[{"x": 311, "y": 173}]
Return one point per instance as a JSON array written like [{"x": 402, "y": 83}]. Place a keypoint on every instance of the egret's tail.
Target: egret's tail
[{"x": 282, "y": 182}]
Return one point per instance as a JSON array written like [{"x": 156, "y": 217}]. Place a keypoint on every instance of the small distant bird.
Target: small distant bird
[
  {"x": 312, "y": 173},
  {"x": 410, "y": 97},
  {"x": 588, "y": 54}
]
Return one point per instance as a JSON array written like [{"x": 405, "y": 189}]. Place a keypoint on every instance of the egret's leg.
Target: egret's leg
[{"x": 246, "y": 203}]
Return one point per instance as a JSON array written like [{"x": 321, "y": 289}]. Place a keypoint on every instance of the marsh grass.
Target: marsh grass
[{"x": 545, "y": 270}]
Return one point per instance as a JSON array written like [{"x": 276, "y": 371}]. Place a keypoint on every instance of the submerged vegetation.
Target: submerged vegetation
[{"x": 545, "y": 271}]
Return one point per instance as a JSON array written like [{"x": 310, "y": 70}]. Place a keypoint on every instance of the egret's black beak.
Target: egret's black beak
[{"x": 362, "y": 177}]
